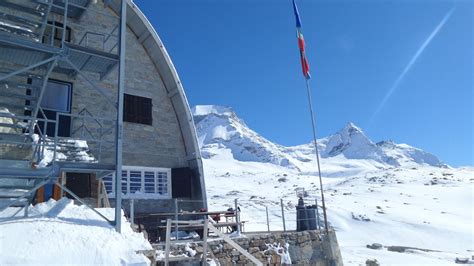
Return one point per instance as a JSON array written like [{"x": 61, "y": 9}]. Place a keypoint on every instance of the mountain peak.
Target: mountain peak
[
  {"x": 353, "y": 143},
  {"x": 352, "y": 128},
  {"x": 220, "y": 131},
  {"x": 386, "y": 143},
  {"x": 202, "y": 110}
]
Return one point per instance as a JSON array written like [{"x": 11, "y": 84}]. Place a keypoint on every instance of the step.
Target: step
[
  {"x": 18, "y": 96},
  {"x": 24, "y": 6},
  {"x": 6, "y": 202},
  {"x": 8, "y": 84},
  {"x": 19, "y": 20},
  {"x": 15, "y": 138},
  {"x": 12, "y": 193},
  {"x": 66, "y": 146},
  {"x": 25, "y": 173},
  {"x": 31, "y": 75},
  {"x": 16, "y": 107},
  {"x": 13, "y": 116},
  {"x": 19, "y": 186},
  {"x": 14, "y": 164},
  {"x": 9, "y": 183},
  {"x": 18, "y": 31},
  {"x": 15, "y": 126}
]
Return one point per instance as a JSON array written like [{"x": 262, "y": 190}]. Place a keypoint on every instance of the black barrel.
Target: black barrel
[
  {"x": 311, "y": 216},
  {"x": 301, "y": 216}
]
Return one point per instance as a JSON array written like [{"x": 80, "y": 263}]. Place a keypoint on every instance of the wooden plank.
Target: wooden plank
[
  {"x": 227, "y": 213},
  {"x": 99, "y": 195},
  {"x": 167, "y": 246},
  {"x": 204, "y": 242},
  {"x": 235, "y": 245},
  {"x": 199, "y": 225}
]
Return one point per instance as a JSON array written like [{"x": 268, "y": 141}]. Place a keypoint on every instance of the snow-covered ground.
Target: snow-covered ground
[
  {"x": 62, "y": 233},
  {"x": 387, "y": 193}
]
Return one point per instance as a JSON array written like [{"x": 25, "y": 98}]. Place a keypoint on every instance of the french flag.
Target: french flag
[{"x": 301, "y": 45}]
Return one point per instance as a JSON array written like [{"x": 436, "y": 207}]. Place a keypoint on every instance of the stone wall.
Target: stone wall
[
  {"x": 158, "y": 145},
  {"x": 304, "y": 248}
]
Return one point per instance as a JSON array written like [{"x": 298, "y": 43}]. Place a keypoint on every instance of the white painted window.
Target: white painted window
[{"x": 141, "y": 183}]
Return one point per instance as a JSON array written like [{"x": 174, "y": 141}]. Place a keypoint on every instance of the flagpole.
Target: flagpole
[{"x": 313, "y": 123}]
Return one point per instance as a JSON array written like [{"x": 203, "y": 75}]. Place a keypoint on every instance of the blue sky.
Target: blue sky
[{"x": 244, "y": 54}]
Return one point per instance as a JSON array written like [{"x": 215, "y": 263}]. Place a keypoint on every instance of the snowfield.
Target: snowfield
[
  {"x": 416, "y": 208},
  {"x": 62, "y": 233},
  {"x": 386, "y": 193}
]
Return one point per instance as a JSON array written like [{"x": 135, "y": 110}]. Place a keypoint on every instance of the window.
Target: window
[
  {"x": 57, "y": 96},
  {"x": 137, "y": 109},
  {"x": 53, "y": 33},
  {"x": 141, "y": 182}
]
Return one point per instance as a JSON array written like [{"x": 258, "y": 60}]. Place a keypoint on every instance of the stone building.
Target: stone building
[{"x": 58, "y": 108}]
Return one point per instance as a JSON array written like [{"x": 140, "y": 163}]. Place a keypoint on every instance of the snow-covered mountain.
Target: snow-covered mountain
[
  {"x": 387, "y": 193},
  {"x": 220, "y": 128}
]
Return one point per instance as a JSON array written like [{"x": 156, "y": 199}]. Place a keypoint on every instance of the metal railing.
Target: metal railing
[
  {"x": 104, "y": 41},
  {"x": 28, "y": 132},
  {"x": 93, "y": 130},
  {"x": 245, "y": 216},
  {"x": 51, "y": 30}
]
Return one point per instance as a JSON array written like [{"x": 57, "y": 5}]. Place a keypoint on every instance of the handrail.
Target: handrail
[
  {"x": 113, "y": 30},
  {"x": 41, "y": 126},
  {"x": 105, "y": 39},
  {"x": 84, "y": 8}
]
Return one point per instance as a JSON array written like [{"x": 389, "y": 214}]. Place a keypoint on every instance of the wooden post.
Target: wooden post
[
  {"x": 132, "y": 212},
  {"x": 204, "y": 242},
  {"x": 176, "y": 216},
  {"x": 63, "y": 182},
  {"x": 237, "y": 215},
  {"x": 268, "y": 221},
  {"x": 283, "y": 215},
  {"x": 100, "y": 203},
  {"x": 167, "y": 243}
]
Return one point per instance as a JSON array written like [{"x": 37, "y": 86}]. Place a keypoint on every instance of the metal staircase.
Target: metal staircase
[
  {"x": 18, "y": 189},
  {"x": 33, "y": 45}
]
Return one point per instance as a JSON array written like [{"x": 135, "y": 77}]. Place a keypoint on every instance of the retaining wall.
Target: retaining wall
[{"x": 303, "y": 248}]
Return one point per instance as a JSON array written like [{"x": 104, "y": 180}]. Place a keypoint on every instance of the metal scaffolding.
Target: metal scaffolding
[{"x": 35, "y": 45}]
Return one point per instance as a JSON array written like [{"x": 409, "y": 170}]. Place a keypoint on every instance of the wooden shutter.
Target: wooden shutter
[{"x": 137, "y": 109}]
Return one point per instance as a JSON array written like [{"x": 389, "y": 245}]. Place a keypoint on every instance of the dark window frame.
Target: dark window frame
[
  {"x": 57, "y": 27},
  {"x": 138, "y": 109},
  {"x": 66, "y": 120},
  {"x": 69, "y": 103}
]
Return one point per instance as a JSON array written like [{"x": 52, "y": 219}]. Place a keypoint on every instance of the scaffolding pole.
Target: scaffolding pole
[{"x": 119, "y": 131}]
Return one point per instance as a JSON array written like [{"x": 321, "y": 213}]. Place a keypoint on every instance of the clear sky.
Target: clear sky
[{"x": 400, "y": 70}]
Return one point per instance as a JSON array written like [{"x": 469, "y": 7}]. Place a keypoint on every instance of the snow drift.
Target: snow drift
[{"x": 62, "y": 233}]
